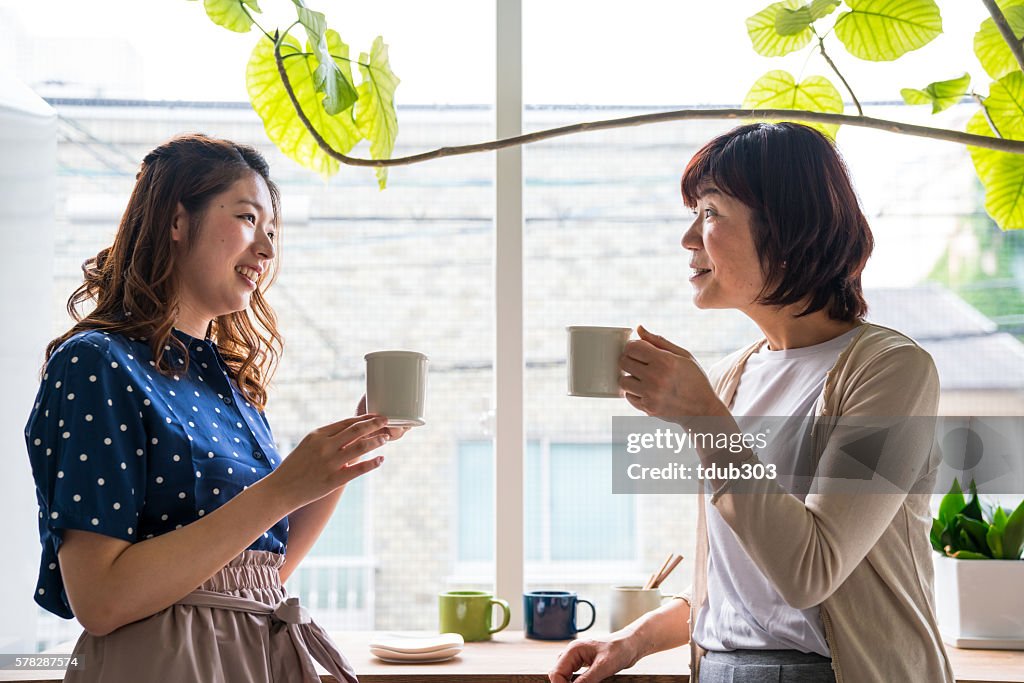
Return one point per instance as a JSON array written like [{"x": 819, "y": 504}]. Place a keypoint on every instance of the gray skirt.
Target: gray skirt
[
  {"x": 240, "y": 625},
  {"x": 765, "y": 666}
]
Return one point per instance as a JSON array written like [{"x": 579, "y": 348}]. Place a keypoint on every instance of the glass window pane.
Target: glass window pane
[{"x": 476, "y": 501}]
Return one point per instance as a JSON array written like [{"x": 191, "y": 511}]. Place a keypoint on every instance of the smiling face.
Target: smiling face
[
  {"x": 725, "y": 269},
  {"x": 229, "y": 252}
]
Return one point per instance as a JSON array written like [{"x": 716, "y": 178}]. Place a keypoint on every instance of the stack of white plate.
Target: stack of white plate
[{"x": 416, "y": 648}]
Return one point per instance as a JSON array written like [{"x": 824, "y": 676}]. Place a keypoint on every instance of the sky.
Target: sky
[{"x": 644, "y": 52}]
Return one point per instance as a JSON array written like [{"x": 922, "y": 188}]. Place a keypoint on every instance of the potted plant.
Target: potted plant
[{"x": 978, "y": 572}]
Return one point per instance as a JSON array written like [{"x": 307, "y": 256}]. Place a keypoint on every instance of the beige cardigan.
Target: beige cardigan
[{"x": 865, "y": 558}]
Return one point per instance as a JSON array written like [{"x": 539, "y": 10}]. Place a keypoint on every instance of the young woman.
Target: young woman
[
  {"x": 806, "y": 583},
  {"x": 168, "y": 519}
]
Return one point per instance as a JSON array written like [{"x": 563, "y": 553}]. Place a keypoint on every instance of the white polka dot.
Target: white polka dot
[
  {"x": 216, "y": 439},
  {"x": 146, "y": 402},
  {"x": 71, "y": 397},
  {"x": 60, "y": 423},
  {"x": 46, "y": 376},
  {"x": 57, "y": 385},
  {"x": 199, "y": 475},
  {"x": 209, "y": 454},
  {"x": 159, "y": 480},
  {"x": 77, "y": 498},
  {"x": 171, "y": 392},
  {"x": 216, "y": 492},
  {"x": 130, "y": 531},
  {"x": 42, "y": 591},
  {"x": 113, "y": 364},
  {"x": 202, "y": 512},
  {"x": 54, "y": 515},
  {"x": 124, "y": 466},
  {"x": 88, "y": 418},
  {"x": 216, "y": 410},
  {"x": 168, "y": 420},
  {"x": 131, "y": 357},
  {"x": 190, "y": 438},
  {"x": 110, "y": 403},
  {"x": 181, "y": 495},
  {"x": 49, "y": 451},
  {"x": 39, "y": 442},
  {"x": 129, "y": 388},
  {"x": 266, "y": 535},
  {"x": 176, "y": 378},
  {"x": 66, "y": 435},
  {"x": 92, "y": 378},
  {"x": 177, "y": 526},
  {"x": 154, "y": 441},
  {"x": 253, "y": 470},
  {"x": 194, "y": 409},
  {"x": 214, "y": 425},
  {"x": 191, "y": 423},
  {"x": 138, "y": 451},
  {"x": 196, "y": 393},
  {"x": 231, "y": 470},
  {"x": 60, "y": 474},
  {"x": 117, "y": 506},
  {"x": 100, "y": 481},
  {"x": 74, "y": 359},
  {"x": 124, "y": 428},
  {"x": 163, "y": 517},
  {"x": 237, "y": 440},
  {"x": 53, "y": 565},
  {"x": 176, "y": 457},
  {"x": 95, "y": 522},
  {"x": 238, "y": 424},
  {"x": 107, "y": 441}
]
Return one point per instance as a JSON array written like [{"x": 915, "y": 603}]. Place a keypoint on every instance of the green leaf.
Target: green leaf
[
  {"x": 966, "y": 542},
  {"x": 978, "y": 531},
  {"x": 1013, "y": 534},
  {"x": 968, "y": 555},
  {"x": 1002, "y": 176},
  {"x": 1005, "y": 104},
  {"x": 990, "y": 48},
  {"x": 779, "y": 90},
  {"x": 994, "y": 539},
  {"x": 765, "y": 37},
  {"x": 883, "y": 30},
  {"x": 329, "y": 78},
  {"x": 790, "y": 22},
  {"x": 375, "y": 109},
  {"x": 940, "y": 94},
  {"x": 952, "y": 503},
  {"x": 973, "y": 508},
  {"x": 281, "y": 122},
  {"x": 999, "y": 517},
  {"x": 230, "y": 14},
  {"x": 936, "y": 535}
]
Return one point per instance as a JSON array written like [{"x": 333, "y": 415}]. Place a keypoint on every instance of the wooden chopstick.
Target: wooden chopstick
[
  {"x": 665, "y": 572},
  {"x": 655, "y": 575}
]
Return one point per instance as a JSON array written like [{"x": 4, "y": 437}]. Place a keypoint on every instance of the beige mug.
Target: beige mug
[
  {"x": 593, "y": 360},
  {"x": 629, "y": 603},
  {"x": 396, "y": 386}
]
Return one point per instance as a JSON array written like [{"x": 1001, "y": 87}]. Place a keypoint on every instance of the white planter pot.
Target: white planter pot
[{"x": 980, "y": 603}]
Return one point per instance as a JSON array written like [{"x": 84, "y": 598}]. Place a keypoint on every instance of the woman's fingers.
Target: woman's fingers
[
  {"x": 660, "y": 342},
  {"x": 579, "y": 654},
  {"x": 358, "y": 427},
  {"x": 357, "y": 469}
]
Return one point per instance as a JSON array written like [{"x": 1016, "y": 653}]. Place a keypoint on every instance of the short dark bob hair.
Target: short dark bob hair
[{"x": 809, "y": 231}]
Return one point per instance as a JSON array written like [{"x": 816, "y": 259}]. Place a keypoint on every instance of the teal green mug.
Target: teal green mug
[{"x": 469, "y": 613}]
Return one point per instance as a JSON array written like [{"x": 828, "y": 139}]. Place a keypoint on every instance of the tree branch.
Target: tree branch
[
  {"x": 998, "y": 144},
  {"x": 821, "y": 48},
  {"x": 992, "y": 124},
  {"x": 1004, "y": 29}
]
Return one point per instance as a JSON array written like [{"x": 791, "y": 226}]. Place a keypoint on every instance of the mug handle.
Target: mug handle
[
  {"x": 593, "y": 614},
  {"x": 508, "y": 613}
]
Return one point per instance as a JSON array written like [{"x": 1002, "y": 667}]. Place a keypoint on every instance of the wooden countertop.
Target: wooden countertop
[{"x": 511, "y": 658}]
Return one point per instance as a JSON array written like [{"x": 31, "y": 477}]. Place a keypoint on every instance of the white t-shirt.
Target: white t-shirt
[{"x": 743, "y": 610}]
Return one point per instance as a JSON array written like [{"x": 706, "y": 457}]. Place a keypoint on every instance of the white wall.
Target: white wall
[{"x": 28, "y": 163}]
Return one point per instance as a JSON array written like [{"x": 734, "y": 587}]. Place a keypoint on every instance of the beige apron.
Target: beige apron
[{"x": 240, "y": 625}]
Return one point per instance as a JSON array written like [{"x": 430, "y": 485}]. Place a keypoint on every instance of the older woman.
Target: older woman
[{"x": 807, "y": 584}]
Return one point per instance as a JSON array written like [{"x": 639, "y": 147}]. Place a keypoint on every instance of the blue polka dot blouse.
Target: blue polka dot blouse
[{"x": 121, "y": 450}]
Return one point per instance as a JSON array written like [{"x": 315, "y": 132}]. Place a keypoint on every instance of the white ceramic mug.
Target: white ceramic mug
[
  {"x": 396, "y": 386},
  {"x": 593, "y": 360},
  {"x": 629, "y": 603}
]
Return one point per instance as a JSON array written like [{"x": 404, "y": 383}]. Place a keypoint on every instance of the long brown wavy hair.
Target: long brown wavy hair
[{"x": 133, "y": 282}]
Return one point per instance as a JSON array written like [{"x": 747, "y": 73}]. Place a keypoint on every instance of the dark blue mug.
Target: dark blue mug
[{"x": 551, "y": 615}]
